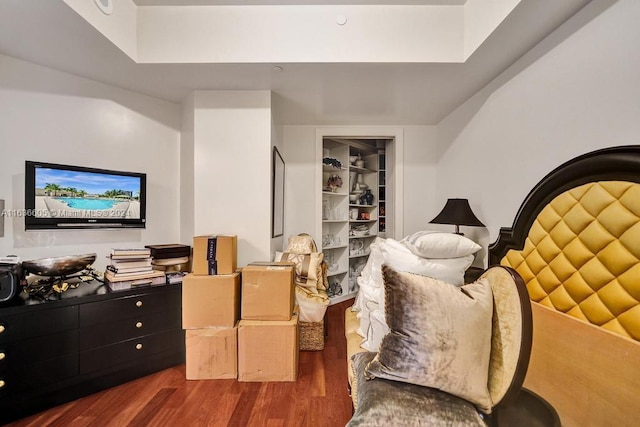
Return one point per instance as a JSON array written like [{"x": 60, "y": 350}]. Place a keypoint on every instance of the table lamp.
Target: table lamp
[{"x": 457, "y": 212}]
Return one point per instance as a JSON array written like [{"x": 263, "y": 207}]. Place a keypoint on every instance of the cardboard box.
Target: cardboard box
[
  {"x": 209, "y": 301},
  {"x": 268, "y": 350},
  {"x": 215, "y": 254},
  {"x": 212, "y": 353},
  {"x": 268, "y": 291}
]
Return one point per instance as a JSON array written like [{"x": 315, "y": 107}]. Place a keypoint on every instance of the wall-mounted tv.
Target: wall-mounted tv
[{"x": 63, "y": 196}]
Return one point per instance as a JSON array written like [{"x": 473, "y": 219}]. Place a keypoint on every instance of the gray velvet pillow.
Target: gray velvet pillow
[
  {"x": 391, "y": 403},
  {"x": 440, "y": 335}
]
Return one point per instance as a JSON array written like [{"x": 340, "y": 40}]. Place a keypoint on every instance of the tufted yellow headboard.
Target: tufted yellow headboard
[
  {"x": 576, "y": 243},
  {"x": 582, "y": 255}
]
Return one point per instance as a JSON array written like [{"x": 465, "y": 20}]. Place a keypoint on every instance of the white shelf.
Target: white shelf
[
  {"x": 341, "y": 298},
  {"x": 342, "y": 149},
  {"x": 327, "y": 168},
  {"x": 326, "y": 248},
  {"x": 353, "y": 168},
  {"x": 360, "y": 255},
  {"x": 363, "y": 237},
  {"x": 336, "y": 273}
]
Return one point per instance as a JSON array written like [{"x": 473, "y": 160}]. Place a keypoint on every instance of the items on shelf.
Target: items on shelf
[
  {"x": 349, "y": 213},
  {"x": 367, "y": 198},
  {"x": 334, "y": 183},
  {"x": 329, "y": 161},
  {"x": 359, "y": 230},
  {"x": 335, "y": 289}
]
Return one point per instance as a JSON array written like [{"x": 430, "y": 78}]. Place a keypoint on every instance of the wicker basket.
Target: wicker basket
[{"x": 311, "y": 335}]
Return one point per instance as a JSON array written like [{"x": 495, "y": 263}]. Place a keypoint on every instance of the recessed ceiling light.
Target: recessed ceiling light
[
  {"x": 106, "y": 6},
  {"x": 341, "y": 19},
  {"x": 278, "y": 69}
]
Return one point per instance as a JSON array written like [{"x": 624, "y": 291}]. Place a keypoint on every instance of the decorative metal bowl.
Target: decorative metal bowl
[{"x": 59, "y": 266}]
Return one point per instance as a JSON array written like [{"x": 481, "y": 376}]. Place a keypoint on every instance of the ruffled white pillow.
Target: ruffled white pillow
[
  {"x": 398, "y": 256},
  {"x": 433, "y": 244}
]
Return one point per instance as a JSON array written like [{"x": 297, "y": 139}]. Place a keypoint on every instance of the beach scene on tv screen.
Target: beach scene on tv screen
[{"x": 77, "y": 194}]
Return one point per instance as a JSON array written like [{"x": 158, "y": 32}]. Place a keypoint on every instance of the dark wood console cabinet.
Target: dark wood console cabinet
[{"x": 90, "y": 339}]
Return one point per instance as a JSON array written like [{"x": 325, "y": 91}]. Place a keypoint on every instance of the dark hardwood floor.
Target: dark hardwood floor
[{"x": 318, "y": 398}]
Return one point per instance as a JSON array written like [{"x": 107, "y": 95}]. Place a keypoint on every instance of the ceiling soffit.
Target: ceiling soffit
[{"x": 319, "y": 33}]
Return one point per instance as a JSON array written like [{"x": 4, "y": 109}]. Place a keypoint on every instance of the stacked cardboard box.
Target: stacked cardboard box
[
  {"x": 268, "y": 329},
  {"x": 215, "y": 254},
  {"x": 211, "y": 309}
]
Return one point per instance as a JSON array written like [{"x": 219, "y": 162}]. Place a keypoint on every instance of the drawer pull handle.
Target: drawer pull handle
[
  {"x": 139, "y": 325},
  {"x": 138, "y": 346},
  {"x": 2, "y": 329},
  {"x": 2, "y": 383},
  {"x": 138, "y": 303},
  {"x": 2, "y": 356}
]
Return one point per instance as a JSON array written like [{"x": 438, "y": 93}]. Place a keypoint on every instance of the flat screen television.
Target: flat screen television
[{"x": 63, "y": 196}]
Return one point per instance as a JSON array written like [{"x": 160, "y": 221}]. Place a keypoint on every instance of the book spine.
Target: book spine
[
  {"x": 120, "y": 270},
  {"x": 141, "y": 252}
]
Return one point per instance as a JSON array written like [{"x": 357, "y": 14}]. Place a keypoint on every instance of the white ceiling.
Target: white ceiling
[
  {"x": 52, "y": 34},
  {"x": 292, "y": 2}
]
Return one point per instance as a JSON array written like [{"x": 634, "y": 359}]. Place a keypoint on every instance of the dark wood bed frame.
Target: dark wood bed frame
[{"x": 609, "y": 164}]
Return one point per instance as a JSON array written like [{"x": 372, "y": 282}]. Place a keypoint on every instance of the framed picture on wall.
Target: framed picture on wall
[{"x": 277, "y": 195}]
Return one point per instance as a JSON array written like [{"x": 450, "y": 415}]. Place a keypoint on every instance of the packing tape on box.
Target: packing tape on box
[{"x": 212, "y": 244}]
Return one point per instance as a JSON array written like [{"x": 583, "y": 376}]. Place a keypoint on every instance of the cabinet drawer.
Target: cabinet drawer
[
  {"x": 23, "y": 353},
  {"x": 131, "y": 351},
  {"x": 37, "y": 322},
  {"x": 128, "y": 306},
  {"x": 103, "y": 334},
  {"x": 38, "y": 375}
]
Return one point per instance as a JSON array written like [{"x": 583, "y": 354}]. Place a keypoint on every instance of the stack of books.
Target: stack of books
[
  {"x": 170, "y": 257},
  {"x": 130, "y": 268}
]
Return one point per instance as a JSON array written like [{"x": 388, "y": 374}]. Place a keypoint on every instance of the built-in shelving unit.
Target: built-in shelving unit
[
  {"x": 382, "y": 204},
  {"x": 350, "y": 216}
]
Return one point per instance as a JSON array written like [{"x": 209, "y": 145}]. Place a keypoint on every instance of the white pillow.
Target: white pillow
[
  {"x": 400, "y": 258},
  {"x": 433, "y": 244},
  {"x": 376, "y": 330}
]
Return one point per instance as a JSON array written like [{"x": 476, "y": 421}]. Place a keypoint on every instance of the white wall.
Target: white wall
[
  {"x": 417, "y": 169},
  {"x": 562, "y": 99},
  {"x": 276, "y": 141},
  {"x": 232, "y": 169},
  {"x": 421, "y": 203},
  {"x": 187, "y": 172},
  {"x": 50, "y": 116}
]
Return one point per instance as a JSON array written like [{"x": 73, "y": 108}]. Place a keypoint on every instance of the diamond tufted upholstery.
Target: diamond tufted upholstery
[{"x": 582, "y": 255}]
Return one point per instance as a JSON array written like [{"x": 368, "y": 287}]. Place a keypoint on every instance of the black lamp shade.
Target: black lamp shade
[{"x": 457, "y": 212}]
